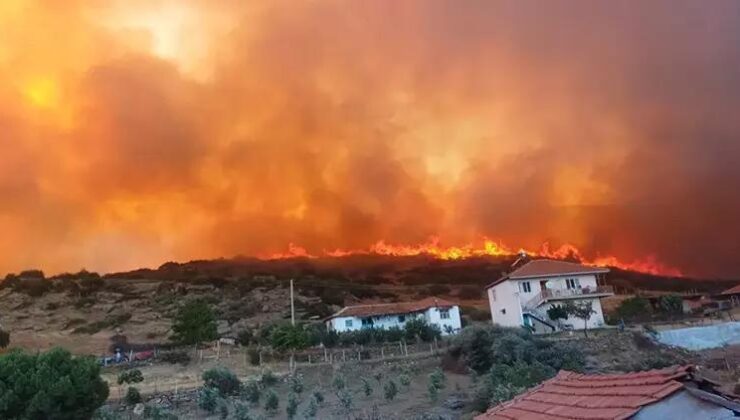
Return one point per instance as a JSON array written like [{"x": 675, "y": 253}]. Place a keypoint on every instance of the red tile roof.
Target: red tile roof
[
  {"x": 572, "y": 395},
  {"x": 732, "y": 291},
  {"x": 393, "y": 308},
  {"x": 545, "y": 268}
]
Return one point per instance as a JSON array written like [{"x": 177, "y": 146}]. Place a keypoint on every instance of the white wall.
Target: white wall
[
  {"x": 431, "y": 316},
  {"x": 503, "y": 300},
  {"x": 596, "y": 320},
  {"x": 506, "y": 308}
]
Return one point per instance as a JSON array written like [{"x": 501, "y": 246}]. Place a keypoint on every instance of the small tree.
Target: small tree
[
  {"x": 312, "y": 409},
  {"x": 50, "y": 385},
  {"x": 345, "y": 400},
  {"x": 438, "y": 378},
  {"x": 557, "y": 312},
  {"x": 634, "y": 308},
  {"x": 244, "y": 337},
  {"x": 671, "y": 304},
  {"x": 292, "y": 407},
  {"x": 289, "y": 337},
  {"x": 194, "y": 323},
  {"x": 296, "y": 384},
  {"x": 405, "y": 380},
  {"x": 133, "y": 396},
  {"x": 582, "y": 311},
  {"x": 223, "y": 380},
  {"x": 271, "y": 402},
  {"x": 251, "y": 392},
  {"x": 208, "y": 399},
  {"x": 367, "y": 388},
  {"x": 131, "y": 376},
  {"x": 319, "y": 397},
  {"x": 338, "y": 383},
  {"x": 390, "y": 390},
  {"x": 4, "y": 339}
]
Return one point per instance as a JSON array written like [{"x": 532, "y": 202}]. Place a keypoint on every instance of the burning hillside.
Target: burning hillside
[{"x": 487, "y": 248}]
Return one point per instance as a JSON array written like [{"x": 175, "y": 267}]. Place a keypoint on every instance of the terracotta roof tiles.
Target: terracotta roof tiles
[{"x": 571, "y": 395}]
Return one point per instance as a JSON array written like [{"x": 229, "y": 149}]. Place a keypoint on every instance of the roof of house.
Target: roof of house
[
  {"x": 548, "y": 268},
  {"x": 572, "y": 395},
  {"x": 732, "y": 291},
  {"x": 393, "y": 308}
]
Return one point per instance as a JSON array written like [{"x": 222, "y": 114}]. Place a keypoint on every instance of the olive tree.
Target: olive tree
[{"x": 50, "y": 385}]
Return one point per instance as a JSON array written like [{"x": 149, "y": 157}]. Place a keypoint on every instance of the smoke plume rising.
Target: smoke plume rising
[{"x": 136, "y": 132}]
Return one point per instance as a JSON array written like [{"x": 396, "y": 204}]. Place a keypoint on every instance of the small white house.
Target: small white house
[
  {"x": 434, "y": 311},
  {"x": 523, "y": 296}
]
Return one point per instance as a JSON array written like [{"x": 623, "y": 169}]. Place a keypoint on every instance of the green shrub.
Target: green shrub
[
  {"x": 251, "y": 392},
  {"x": 503, "y": 382},
  {"x": 634, "y": 308},
  {"x": 296, "y": 384},
  {"x": 175, "y": 357},
  {"x": 671, "y": 304},
  {"x": 131, "y": 376},
  {"x": 404, "y": 379},
  {"x": 244, "y": 337},
  {"x": 271, "y": 402},
  {"x": 289, "y": 337},
  {"x": 53, "y": 384},
  {"x": 367, "y": 388},
  {"x": 433, "y": 392},
  {"x": 390, "y": 390},
  {"x": 4, "y": 339},
  {"x": 153, "y": 412},
  {"x": 311, "y": 410},
  {"x": 223, "y": 380},
  {"x": 223, "y": 409},
  {"x": 338, "y": 382},
  {"x": 419, "y": 329},
  {"x": 241, "y": 411},
  {"x": 195, "y": 322},
  {"x": 208, "y": 399},
  {"x": 480, "y": 347},
  {"x": 292, "y": 407},
  {"x": 268, "y": 379},
  {"x": 318, "y": 396},
  {"x": 345, "y": 400},
  {"x": 476, "y": 314},
  {"x": 254, "y": 356},
  {"x": 133, "y": 396},
  {"x": 438, "y": 378},
  {"x": 557, "y": 312}
]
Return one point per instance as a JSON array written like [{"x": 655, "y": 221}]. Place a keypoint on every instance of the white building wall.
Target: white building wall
[
  {"x": 431, "y": 315},
  {"x": 452, "y": 323},
  {"x": 596, "y": 320},
  {"x": 503, "y": 300},
  {"x": 510, "y": 296}
]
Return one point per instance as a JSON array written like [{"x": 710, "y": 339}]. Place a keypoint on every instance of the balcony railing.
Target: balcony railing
[{"x": 555, "y": 294}]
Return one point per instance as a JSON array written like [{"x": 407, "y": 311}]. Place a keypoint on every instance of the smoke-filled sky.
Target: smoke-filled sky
[{"x": 133, "y": 132}]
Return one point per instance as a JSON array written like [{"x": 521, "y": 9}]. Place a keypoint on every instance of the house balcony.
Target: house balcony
[{"x": 548, "y": 295}]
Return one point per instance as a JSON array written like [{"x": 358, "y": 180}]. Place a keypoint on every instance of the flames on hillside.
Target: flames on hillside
[{"x": 486, "y": 247}]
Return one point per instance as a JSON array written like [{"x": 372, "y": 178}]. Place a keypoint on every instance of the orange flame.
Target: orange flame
[{"x": 488, "y": 247}]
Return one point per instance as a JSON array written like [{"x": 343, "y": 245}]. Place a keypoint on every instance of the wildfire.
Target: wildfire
[{"x": 487, "y": 247}]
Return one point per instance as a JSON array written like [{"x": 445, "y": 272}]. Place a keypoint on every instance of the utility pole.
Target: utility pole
[{"x": 292, "y": 304}]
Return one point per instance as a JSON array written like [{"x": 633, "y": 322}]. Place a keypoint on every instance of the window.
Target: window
[
  {"x": 402, "y": 318},
  {"x": 348, "y": 323},
  {"x": 525, "y": 287},
  {"x": 367, "y": 322},
  {"x": 493, "y": 295},
  {"x": 444, "y": 313},
  {"x": 572, "y": 283}
]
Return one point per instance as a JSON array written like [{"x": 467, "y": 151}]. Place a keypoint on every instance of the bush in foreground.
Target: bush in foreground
[
  {"x": 50, "y": 385},
  {"x": 194, "y": 323},
  {"x": 223, "y": 380}
]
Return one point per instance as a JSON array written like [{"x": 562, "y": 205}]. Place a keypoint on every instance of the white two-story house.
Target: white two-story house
[
  {"x": 435, "y": 311},
  {"x": 523, "y": 296}
]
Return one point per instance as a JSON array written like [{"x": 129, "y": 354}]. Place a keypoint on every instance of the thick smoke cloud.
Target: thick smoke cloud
[{"x": 132, "y": 133}]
